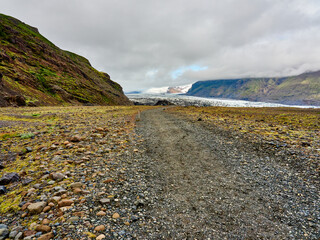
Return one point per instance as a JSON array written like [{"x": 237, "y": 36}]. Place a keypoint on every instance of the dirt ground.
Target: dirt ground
[{"x": 209, "y": 183}]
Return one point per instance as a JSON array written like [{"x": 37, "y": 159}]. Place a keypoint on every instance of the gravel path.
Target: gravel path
[{"x": 207, "y": 183}]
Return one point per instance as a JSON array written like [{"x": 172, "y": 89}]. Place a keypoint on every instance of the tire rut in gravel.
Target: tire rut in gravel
[{"x": 213, "y": 184}]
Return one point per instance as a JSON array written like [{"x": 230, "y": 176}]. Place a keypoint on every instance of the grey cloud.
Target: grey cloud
[{"x": 131, "y": 38}]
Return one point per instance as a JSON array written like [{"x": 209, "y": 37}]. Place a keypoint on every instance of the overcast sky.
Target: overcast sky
[{"x": 154, "y": 43}]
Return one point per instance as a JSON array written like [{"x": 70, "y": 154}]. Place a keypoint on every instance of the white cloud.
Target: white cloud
[{"x": 142, "y": 43}]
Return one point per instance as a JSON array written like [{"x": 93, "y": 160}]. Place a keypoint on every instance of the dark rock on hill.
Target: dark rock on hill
[
  {"x": 33, "y": 71},
  {"x": 303, "y": 89}
]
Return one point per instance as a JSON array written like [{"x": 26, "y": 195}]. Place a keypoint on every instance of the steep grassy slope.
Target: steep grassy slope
[
  {"x": 302, "y": 89},
  {"x": 34, "y": 71}
]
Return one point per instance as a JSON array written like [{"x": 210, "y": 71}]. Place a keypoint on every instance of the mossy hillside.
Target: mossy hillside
[{"x": 32, "y": 67}]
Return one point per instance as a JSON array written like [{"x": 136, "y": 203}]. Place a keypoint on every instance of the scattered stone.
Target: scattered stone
[
  {"x": 115, "y": 215},
  {"x": 108, "y": 180},
  {"x": 18, "y": 236},
  {"x": 37, "y": 186},
  {"x": 101, "y": 213},
  {"x": 3, "y": 190},
  {"x": 57, "y": 176},
  {"x": 9, "y": 178},
  {"x": 76, "y": 185},
  {"x": 28, "y": 149},
  {"x": 76, "y": 138},
  {"x": 55, "y": 199},
  {"x": 24, "y": 206},
  {"x": 4, "y": 231},
  {"x": 26, "y": 181},
  {"x": 13, "y": 234},
  {"x": 101, "y": 236},
  {"x": 105, "y": 201},
  {"x": 37, "y": 207},
  {"x": 46, "y": 236},
  {"x": 65, "y": 202},
  {"x": 43, "y": 228},
  {"x": 46, "y": 209},
  {"x": 77, "y": 191},
  {"x": 33, "y": 226},
  {"x": 73, "y": 219},
  {"x": 100, "y": 228},
  {"x": 29, "y": 233},
  {"x": 46, "y": 221}
]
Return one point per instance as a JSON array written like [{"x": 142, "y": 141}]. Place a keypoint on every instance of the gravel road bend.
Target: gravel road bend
[{"x": 208, "y": 183}]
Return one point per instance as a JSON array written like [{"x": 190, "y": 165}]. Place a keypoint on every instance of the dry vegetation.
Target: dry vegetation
[
  {"x": 295, "y": 129},
  {"x": 31, "y": 138}
]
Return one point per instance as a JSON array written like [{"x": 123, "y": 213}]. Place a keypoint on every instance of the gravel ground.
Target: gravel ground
[
  {"x": 207, "y": 183},
  {"x": 172, "y": 179}
]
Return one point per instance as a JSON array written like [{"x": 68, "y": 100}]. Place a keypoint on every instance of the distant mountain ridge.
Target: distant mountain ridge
[
  {"x": 33, "y": 71},
  {"x": 303, "y": 89}
]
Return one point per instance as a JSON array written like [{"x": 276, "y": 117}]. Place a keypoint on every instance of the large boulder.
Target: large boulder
[
  {"x": 37, "y": 207},
  {"x": 9, "y": 178}
]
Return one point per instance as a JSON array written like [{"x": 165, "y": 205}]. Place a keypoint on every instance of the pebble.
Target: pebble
[
  {"x": 13, "y": 234},
  {"x": 3, "y": 190},
  {"x": 46, "y": 209},
  {"x": 77, "y": 191},
  {"x": 101, "y": 236},
  {"x": 37, "y": 207},
  {"x": 29, "y": 149},
  {"x": 57, "y": 176},
  {"x": 4, "y": 231},
  {"x": 76, "y": 185},
  {"x": 65, "y": 202},
  {"x": 76, "y": 138},
  {"x": 105, "y": 201},
  {"x": 45, "y": 221},
  {"x": 18, "y": 236},
  {"x": 101, "y": 213},
  {"x": 115, "y": 215},
  {"x": 100, "y": 228},
  {"x": 43, "y": 228},
  {"x": 73, "y": 219},
  {"x": 108, "y": 180},
  {"x": 28, "y": 233},
  {"x": 46, "y": 236},
  {"x": 55, "y": 199}
]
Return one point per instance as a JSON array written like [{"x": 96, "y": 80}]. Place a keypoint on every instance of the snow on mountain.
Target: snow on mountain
[{"x": 177, "y": 89}]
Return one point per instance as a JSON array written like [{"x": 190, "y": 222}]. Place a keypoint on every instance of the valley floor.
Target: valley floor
[
  {"x": 153, "y": 173},
  {"x": 207, "y": 182}
]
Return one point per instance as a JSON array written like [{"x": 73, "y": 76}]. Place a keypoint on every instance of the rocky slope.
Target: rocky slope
[
  {"x": 33, "y": 71},
  {"x": 301, "y": 89}
]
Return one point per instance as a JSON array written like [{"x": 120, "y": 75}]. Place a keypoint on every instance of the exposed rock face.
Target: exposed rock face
[
  {"x": 302, "y": 89},
  {"x": 33, "y": 71}
]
